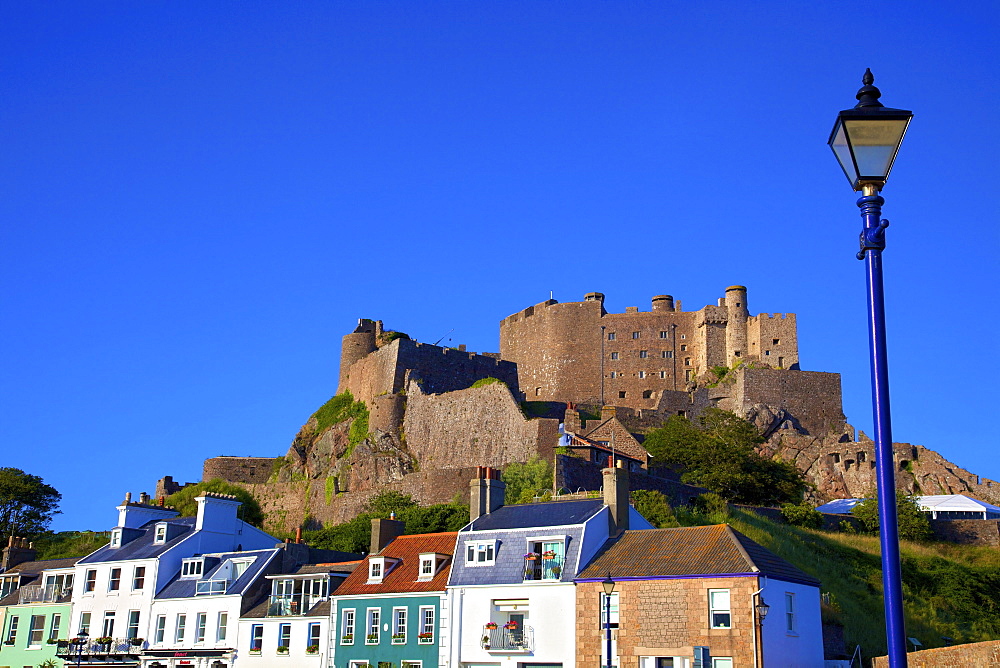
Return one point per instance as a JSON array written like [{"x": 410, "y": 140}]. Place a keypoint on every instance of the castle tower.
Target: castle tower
[
  {"x": 356, "y": 345},
  {"x": 736, "y": 327},
  {"x": 663, "y": 303}
]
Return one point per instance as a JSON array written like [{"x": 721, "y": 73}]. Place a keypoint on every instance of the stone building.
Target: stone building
[{"x": 578, "y": 352}]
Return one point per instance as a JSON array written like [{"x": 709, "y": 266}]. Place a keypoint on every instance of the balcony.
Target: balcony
[
  {"x": 509, "y": 640},
  {"x": 292, "y": 606},
  {"x": 211, "y": 587},
  {"x": 543, "y": 568},
  {"x": 41, "y": 593},
  {"x": 116, "y": 651}
]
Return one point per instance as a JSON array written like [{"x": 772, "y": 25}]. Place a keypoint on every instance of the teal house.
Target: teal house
[
  {"x": 387, "y": 613},
  {"x": 35, "y": 599}
]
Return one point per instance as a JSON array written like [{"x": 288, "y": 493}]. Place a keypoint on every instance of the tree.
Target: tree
[
  {"x": 653, "y": 505},
  {"x": 526, "y": 480},
  {"x": 911, "y": 520},
  {"x": 184, "y": 500},
  {"x": 802, "y": 515},
  {"x": 721, "y": 455},
  {"x": 27, "y": 504}
]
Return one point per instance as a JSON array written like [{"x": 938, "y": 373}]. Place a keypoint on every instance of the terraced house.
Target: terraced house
[{"x": 392, "y": 612}]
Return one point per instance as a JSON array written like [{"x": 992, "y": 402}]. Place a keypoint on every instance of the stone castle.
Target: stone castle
[{"x": 571, "y": 367}]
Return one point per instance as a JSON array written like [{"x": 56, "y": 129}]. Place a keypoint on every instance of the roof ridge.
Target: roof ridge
[{"x": 734, "y": 536}]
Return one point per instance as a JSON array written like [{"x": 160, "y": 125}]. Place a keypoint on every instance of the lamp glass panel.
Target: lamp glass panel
[
  {"x": 874, "y": 143},
  {"x": 843, "y": 152}
]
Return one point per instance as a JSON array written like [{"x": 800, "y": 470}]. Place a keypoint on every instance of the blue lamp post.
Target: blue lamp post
[
  {"x": 865, "y": 140},
  {"x": 609, "y": 589}
]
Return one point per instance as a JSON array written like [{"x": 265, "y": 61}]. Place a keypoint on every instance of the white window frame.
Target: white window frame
[
  {"x": 284, "y": 636},
  {"x": 376, "y": 569},
  {"x": 108, "y": 629},
  {"x": 427, "y": 620},
  {"x": 222, "y": 627},
  {"x": 399, "y": 624},
  {"x": 116, "y": 538},
  {"x": 790, "y": 620},
  {"x": 161, "y": 629},
  {"x": 643, "y": 354},
  {"x": 192, "y": 568},
  {"x": 713, "y": 609},
  {"x": 160, "y": 534},
  {"x": 373, "y": 622},
  {"x": 722, "y": 662},
  {"x": 200, "y": 627},
  {"x": 480, "y": 552},
  {"x": 348, "y": 625},
  {"x": 90, "y": 581},
  {"x": 642, "y": 374},
  {"x": 314, "y": 636},
  {"x": 54, "y": 628},
  {"x": 132, "y": 624},
  {"x": 34, "y": 630},
  {"x": 115, "y": 579},
  {"x": 614, "y": 356},
  {"x": 180, "y": 627},
  {"x": 428, "y": 567},
  {"x": 138, "y": 579},
  {"x": 85, "y": 622},
  {"x": 12, "y": 629}
]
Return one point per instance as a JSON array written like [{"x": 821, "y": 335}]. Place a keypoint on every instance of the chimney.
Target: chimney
[
  {"x": 144, "y": 498},
  {"x": 134, "y": 515},
  {"x": 217, "y": 513},
  {"x": 486, "y": 492},
  {"x": 608, "y": 412},
  {"x": 298, "y": 535},
  {"x": 383, "y": 533},
  {"x": 616, "y": 498},
  {"x": 18, "y": 551}
]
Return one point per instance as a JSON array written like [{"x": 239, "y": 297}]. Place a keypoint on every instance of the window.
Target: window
[
  {"x": 684, "y": 336},
  {"x": 614, "y": 356},
  {"x": 179, "y": 630},
  {"x": 116, "y": 538},
  {"x": 256, "y": 637},
  {"x": 132, "y": 631},
  {"x": 161, "y": 627},
  {"x": 737, "y": 353},
  {"x": 426, "y": 566},
  {"x": 375, "y": 572},
  {"x": 775, "y": 342},
  {"x": 613, "y": 374},
  {"x": 426, "y": 634},
  {"x": 59, "y": 584},
  {"x": 90, "y": 582},
  {"x": 622, "y": 394},
  {"x": 687, "y": 361},
  {"x": 54, "y": 629},
  {"x": 635, "y": 335},
  {"x": 663, "y": 374},
  {"x": 642, "y": 374},
  {"x": 115, "y": 581},
  {"x": 372, "y": 627},
  {"x": 614, "y": 609},
  {"x": 36, "y": 629},
  {"x": 643, "y": 354},
  {"x": 663, "y": 335},
  {"x": 220, "y": 634},
  {"x": 109, "y": 624},
  {"x": 312, "y": 641},
  {"x": 239, "y": 567},
  {"x": 398, "y": 626},
  {"x": 789, "y": 612},
  {"x": 191, "y": 568},
  {"x": 12, "y": 630},
  {"x": 767, "y": 352},
  {"x": 160, "y": 537},
  {"x": 718, "y": 603},
  {"x": 201, "y": 621},
  {"x": 667, "y": 354},
  {"x": 347, "y": 627},
  {"x": 284, "y": 636},
  {"x": 722, "y": 662},
  {"x": 684, "y": 347},
  {"x": 482, "y": 553},
  {"x": 647, "y": 394},
  {"x": 611, "y": 336},
  {"x": 139, "y": 577},
  {"x": 85, "y": 622}
]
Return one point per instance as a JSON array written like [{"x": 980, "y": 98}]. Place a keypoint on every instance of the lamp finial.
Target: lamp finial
[{"x": 868, "y": 95}]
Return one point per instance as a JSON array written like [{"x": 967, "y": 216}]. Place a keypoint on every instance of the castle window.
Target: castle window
[
  {"x": 682, "y": 413},
  {"x": 683, "y": 347},
  {"x": 781, "y": 362},
  {"x": 614, "y": 356},
  {"x": 775, "y": 342},
  {"x": 621, "y": 395},
  {"x": 643, "y": 354},
  {"x": 635, "y": 335},
  {"x": 611, "y": 336},
  {"x": 612, "y": 374},
  {"x": 647, "y": 394},
  {"x": 684, "y": 336},
  {"x": 836, "y": 458},
  {"x": 767, "y": 352},
  {"x": 687, "y": 361},
  {"x": 861, "y": 456},
  {"x": 538, "y": 391},
  {"x": 642, "y": 374},
  {"x": 663, "y": 374},
  {"x": 663, "y": 335},
  {"x": 737, "y": 353},
  {"x": 688, "y": 374},
  {"x": 667, "y": 354}
]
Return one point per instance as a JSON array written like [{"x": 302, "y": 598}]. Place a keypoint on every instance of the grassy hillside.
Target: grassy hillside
[{"x": 948, "y": 590}]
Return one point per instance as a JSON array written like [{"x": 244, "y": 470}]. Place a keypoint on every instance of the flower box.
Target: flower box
[
  {"x": 491, "y": 625},
  {"x": 425, "y": 638},
  {"x": 399, "y": 639},
  {"x": 371, "y": 639},
  {"x": 312, "y": 649},
  {"x": 347, "y": 640},
  {"x": 282, "y": 649}
]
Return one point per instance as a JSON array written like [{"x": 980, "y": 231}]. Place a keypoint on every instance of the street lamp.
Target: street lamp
[
  {"x": 609, "y": 589},
  {"x": 81, "y": 640},
  {"x": 762, "y": 609},
  {"x": 865, "y": 140}
]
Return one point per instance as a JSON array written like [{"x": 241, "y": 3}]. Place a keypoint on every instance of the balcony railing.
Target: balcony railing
[
  {"x": 41, "y": 593},
  {"x": 502, "y": 639},
  {"x": 541, "y": 568},
  {"x": 118, "y": 647},
  {"x": 291, "y": 606},
  {"x": 211, "y": 587}
]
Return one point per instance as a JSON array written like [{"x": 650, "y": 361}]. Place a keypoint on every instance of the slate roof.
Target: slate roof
[
  {"x": 508, "y": 565},
  {"x": 34, "y": 567},
  {"x": 689, "y": 552},
  {"x": 185, "y": 587},
  {"x": 402, "y": 577},
  {"x": 530, "y": 515},
  {"x": 143, "y": 547}
]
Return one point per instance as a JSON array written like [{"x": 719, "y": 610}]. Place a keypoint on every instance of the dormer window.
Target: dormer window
[
  {"x": 116, "y": 538},
  {"x": 192, "y": 568},
  {"x": 480, "y": 552},
  {"x": 375, "y": 572},
  {"x": 430, "y": 563},
  {"x": 160, "y": 537}
]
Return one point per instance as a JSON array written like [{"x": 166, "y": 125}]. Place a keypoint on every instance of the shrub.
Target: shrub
[
  {"x": 802, "y": 515},
  {"x": 184, "y": 503},
  {"x": 653, "y": 505},
  {"x": 912, "y": 522},
  {"x": 483, "y": 382}
]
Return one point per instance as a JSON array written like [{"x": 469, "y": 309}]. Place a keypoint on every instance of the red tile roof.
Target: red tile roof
[{"x": 402, "y": 577}]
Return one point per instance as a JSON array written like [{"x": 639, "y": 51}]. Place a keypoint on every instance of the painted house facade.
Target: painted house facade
[
  {"x": 697, "y": 591},
  {"x": 393, "y": 608},
  {"x": 511, "y": 592},
  {"x": 36, "y": 603}
]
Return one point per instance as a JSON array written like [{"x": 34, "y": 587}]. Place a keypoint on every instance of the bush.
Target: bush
[
  {"x": 483, "y": 382},
  {"x": 802, "y": 515},
  {"x": 526, "y": 480},
  {"x": 913, "y": 523},
  {"x": 653, "y": 505},
  {"x": 711, "y": 504},
  {"x": 184, "y": 503}
]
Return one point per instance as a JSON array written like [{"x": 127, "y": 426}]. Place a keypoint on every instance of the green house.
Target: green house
[{"x": 36, "y": 611}]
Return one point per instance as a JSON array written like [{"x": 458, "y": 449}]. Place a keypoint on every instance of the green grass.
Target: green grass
[
  {"x": 65, "y": 544},
  {"x": 489, "y": 380},
  {"x": 948, "y": 590}
]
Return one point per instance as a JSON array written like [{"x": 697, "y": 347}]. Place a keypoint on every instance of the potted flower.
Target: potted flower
[
  {"x": 556, "y": 570},
  {"x": 425, "y": 637},
  {"x": 104, "y": 641},
  {"x": 398, "y": 638},
  {"x": 531, "y": 556},
  {"x": 510, "y": 626},
  {"x": 486, "y": 642},
  {"x": 347, "y": 639},
  {"x": 282, "y": 649},
  {"x": 372, "y": 637},
  {"x": 548, "y": 554},
  {"x": 136, "y": 642},
  {"x": 312, "y": 649},
  {"x": 491, "y": 625}
]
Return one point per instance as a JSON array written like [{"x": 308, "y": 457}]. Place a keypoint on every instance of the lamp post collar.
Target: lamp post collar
[{"x": 868, "y": 94}]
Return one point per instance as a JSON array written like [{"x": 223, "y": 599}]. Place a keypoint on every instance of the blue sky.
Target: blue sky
[{"x": 199, "y": 199}]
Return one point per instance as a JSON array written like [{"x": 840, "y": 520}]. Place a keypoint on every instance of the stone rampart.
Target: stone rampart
[
  {"x": 238, "y": 469},
  {"x": 482, "y": 426},
  {"x": 974, "y": 654},
  {"x": 810, "y": 399},
  {"x": 968, "y": 532}
]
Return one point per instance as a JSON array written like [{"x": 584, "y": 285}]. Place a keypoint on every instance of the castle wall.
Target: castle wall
[
  {"x": 811, "y": 398},
  {"x": 773, "y": 341},
  {"x": 482, "y": 426},
  {"x": 238, "y": 469},
  {"x": 439, "y": 369}
]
